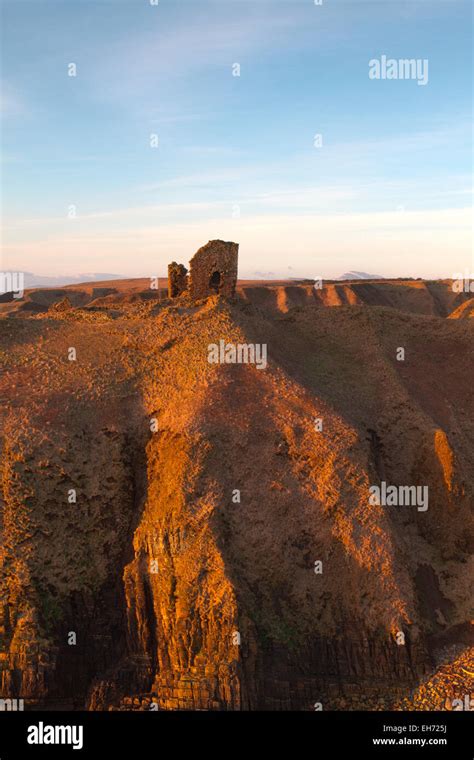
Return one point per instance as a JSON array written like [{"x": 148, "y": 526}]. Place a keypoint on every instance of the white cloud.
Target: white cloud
[{"x": 431, "y": 243}]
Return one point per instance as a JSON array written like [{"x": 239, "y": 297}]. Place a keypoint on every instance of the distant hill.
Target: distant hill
[
  {"x": 353, "y": 275},
  {"x": 49, "y": 281}
]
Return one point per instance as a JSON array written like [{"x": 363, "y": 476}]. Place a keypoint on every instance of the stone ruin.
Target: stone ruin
[
  {"x": 177, "y": 279},
  {"x": 213, "y": 271}
]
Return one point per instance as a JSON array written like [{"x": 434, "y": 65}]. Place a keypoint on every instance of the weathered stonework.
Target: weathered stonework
[
  {"x": 213, "y": 270},
  {"x": 177, "y": 279}
]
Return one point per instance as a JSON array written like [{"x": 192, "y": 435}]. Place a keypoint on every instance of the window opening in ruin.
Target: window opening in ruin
[{"x": 215, "y": 281}]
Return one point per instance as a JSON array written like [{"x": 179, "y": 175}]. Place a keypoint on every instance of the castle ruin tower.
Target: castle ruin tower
[{"x": 213, "y": 270}]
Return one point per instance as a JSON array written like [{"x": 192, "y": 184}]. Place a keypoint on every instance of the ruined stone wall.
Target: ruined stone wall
[
  {"x": 213, "y": 269},
  {"x": 177, "y": 279}
]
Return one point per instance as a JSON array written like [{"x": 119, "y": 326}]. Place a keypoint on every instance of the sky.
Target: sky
[{"x": 247, "y": 120}]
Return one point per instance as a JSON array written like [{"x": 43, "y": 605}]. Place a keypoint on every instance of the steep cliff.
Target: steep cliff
[{"x": 205, "y": 530}]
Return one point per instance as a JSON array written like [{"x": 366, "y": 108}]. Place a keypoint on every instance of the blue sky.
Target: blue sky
[{"x": 388, "y": 191}]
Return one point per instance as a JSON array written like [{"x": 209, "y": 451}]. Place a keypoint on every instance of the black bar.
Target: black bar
[{"x": 312, "y": 735}]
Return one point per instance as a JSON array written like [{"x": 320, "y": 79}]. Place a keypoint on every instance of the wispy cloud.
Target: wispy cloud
[
  {"x": 413, "y": 242},
  {"x": 11, "y": 103},
  {"x": 195, "y": 41}
]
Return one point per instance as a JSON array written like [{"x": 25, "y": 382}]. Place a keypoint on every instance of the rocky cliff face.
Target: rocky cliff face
[{"x": 200, "y": 535}]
